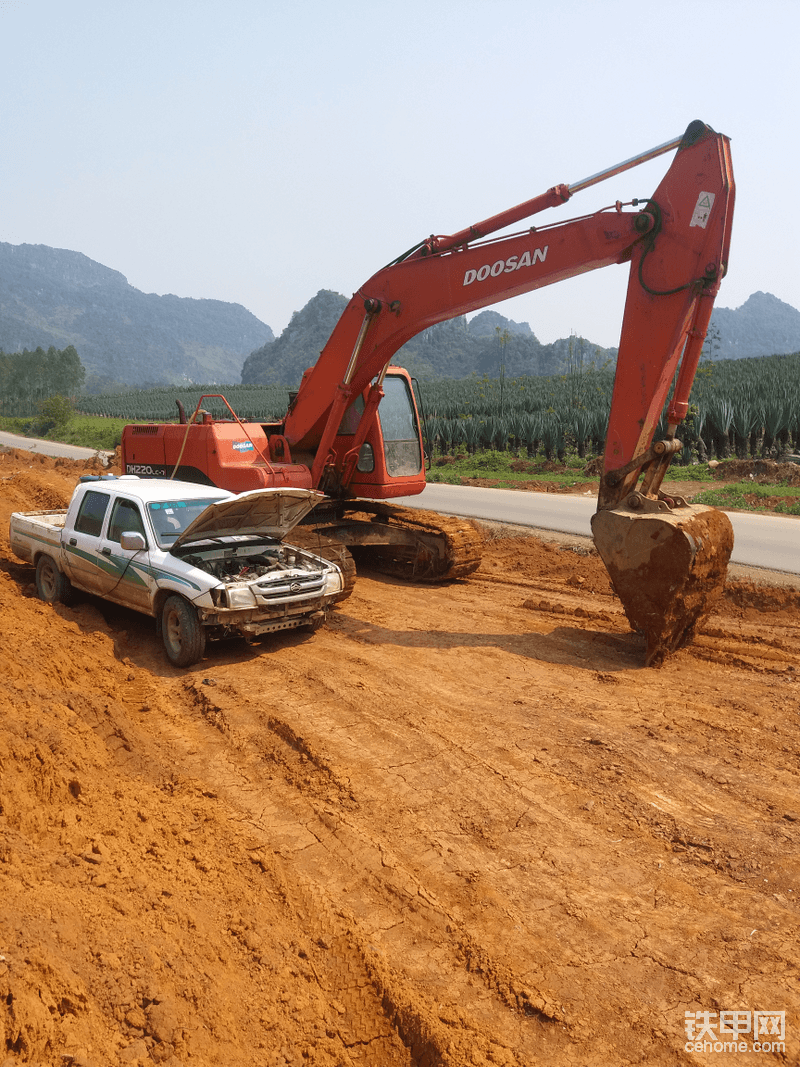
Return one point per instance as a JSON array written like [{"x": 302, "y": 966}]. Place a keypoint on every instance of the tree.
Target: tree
[
  {"x": 712, "y": 345},
  {"x": 502, "y": 340},
  {"x": 28, "y": 378},
  {"x": 57, "y": 409}
]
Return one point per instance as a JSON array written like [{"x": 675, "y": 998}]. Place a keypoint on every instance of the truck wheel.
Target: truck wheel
[
  {"x": 52, "y": 585},
  {"x": 184, "y": 637},
  {"x": 347, "y": 565}
]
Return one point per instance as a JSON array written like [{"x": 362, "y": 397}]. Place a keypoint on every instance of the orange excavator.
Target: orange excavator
[{"x": 352, "y": 429}]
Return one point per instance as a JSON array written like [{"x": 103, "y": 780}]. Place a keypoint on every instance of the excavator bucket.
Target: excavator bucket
[{"x": 668, "y": 568}]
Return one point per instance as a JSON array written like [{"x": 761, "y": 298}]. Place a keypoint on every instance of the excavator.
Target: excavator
[{"x": 352, "y": 429}]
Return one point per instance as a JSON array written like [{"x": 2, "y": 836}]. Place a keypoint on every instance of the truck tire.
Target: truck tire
[
  {"x": 184, "y": 638},
  {"x": 52, "y": 585}
]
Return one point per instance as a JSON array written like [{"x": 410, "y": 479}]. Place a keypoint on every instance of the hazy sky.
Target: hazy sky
[{"x": 257, "y": 152}]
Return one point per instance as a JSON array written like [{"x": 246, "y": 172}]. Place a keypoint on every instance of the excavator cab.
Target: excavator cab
[{"x": 390, "y": 460}]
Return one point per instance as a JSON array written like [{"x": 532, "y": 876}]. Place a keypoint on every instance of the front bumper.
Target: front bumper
[{"x": 251, "y": 622}]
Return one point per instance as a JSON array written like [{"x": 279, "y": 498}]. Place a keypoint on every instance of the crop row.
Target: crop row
[{"x": 745, "y": 407}]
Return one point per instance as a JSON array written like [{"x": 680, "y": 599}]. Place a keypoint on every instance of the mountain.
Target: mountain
[
  {"x": 452, "y": 349},
  {"x": 762, "y": 326},
  {"x": 52, "y": 296},
  {"x": 282, "y": 362}
]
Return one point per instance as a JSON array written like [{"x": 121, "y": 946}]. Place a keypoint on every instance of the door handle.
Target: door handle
[
  {"x": 106, "y": 551},
  {"x": 73, "y": 540}
]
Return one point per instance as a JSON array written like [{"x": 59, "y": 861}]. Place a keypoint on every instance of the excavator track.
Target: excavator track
[
  {"x": 408, "y": 543},
  {"x": 447, "y": 547},
  {"x": 330, "y": 549}
]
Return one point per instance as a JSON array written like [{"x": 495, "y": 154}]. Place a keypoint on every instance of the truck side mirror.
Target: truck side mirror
[{"x": 132, "y": 542}]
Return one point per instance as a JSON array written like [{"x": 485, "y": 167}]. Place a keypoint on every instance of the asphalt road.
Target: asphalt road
[
  {"x": 767, "y": 541},
  {"x": 48, "y": 448}
]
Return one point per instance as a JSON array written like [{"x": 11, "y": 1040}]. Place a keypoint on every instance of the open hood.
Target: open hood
[{"x": 273, "y": 512}]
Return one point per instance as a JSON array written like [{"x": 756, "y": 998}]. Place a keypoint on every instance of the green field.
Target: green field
[
  {"x": 507, "y": 432},
  {"x": 86, "y": 431},
  {"x": 744, "y": 408}
]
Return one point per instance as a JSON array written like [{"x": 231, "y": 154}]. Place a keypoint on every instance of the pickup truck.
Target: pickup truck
[{"x": 202, "y": 561}]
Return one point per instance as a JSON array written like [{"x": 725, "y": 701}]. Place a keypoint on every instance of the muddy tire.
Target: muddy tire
[
  {"x": 347, "y": 565},
  {"x": 332, "y": 550},
  {"x": 52, "y": 585},
  {"x": 184, "y": 638}
]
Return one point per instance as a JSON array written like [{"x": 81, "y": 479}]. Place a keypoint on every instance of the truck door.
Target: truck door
[
  {"x": 131, "y": 582},
  {"x": 86, "y": 567}
]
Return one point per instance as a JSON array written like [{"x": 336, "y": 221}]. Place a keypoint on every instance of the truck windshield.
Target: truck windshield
[{"x": 169, "y": 518}]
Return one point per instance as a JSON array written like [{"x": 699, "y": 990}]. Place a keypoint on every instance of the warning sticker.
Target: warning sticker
[{"x": 702, "y": 209}]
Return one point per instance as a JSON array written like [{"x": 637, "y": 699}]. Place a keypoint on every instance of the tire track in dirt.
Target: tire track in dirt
[
  {"x": 322, "y": 849},
  {"x": 477, "y": 766},
  {"x": 458, "y": 825}
]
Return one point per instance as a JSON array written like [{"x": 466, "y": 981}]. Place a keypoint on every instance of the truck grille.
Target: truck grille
[{"x": 298, "y": 587}]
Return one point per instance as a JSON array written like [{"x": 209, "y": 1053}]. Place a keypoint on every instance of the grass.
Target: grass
[
  {"x": 505, "y": 479},
  {"x": 85, "y": 431},
  {"x": 490, "y": 466},
  {"x": 497, "y": 467},
  {"x": 750, "y": 496},
  {"x": 697, "y": 473}
]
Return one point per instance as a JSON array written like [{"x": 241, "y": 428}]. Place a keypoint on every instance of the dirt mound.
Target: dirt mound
[
  {"x": 750, "y": 597},
  {"x": 533, "y": 561},
  {"x": 579, "y": 488},
  {"x": 460, "y": 825},
  {"x": 763, "y": 471}
]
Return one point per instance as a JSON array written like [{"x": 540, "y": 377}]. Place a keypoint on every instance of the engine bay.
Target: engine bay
[{"x": 246, "y": 563}]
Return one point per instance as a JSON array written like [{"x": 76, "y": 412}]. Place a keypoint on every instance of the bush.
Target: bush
[
  {"x": 56, "y": 412},
  {"x": 492, "y": 460}
]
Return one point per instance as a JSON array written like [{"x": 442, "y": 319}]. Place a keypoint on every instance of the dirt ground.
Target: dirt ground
[{"x": 460, "y": 825}]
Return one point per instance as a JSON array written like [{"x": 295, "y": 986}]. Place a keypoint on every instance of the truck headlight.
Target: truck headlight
[
  {"x": 333, "y": 582},
  {"x": 240, "y": 596}
]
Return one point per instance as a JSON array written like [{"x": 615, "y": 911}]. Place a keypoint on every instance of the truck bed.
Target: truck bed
[
  {"x": 28, "y": 530},
  {"x": 48, "y": 518}
]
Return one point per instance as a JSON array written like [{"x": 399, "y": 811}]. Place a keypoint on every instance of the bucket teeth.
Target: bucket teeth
[{"x": 668, "y": 568}]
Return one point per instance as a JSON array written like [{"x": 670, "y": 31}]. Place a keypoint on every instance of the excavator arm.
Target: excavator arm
[
  {"x": 667, "y": 560},
  {"x": 675, "y": 275}
]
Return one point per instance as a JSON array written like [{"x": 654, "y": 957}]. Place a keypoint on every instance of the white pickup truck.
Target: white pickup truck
[{"x": 200, "y": 560}]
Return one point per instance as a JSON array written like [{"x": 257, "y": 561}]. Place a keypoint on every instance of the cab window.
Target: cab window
[
  {"x": 125, "y": 518},
  {"x": 92, "y": 512},
  {"x": 352, "y": 416},
  {"x": 399, "y": 426}
]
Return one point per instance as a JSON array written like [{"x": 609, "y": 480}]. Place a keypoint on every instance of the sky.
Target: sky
[{"x": 257, "y": 151}]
